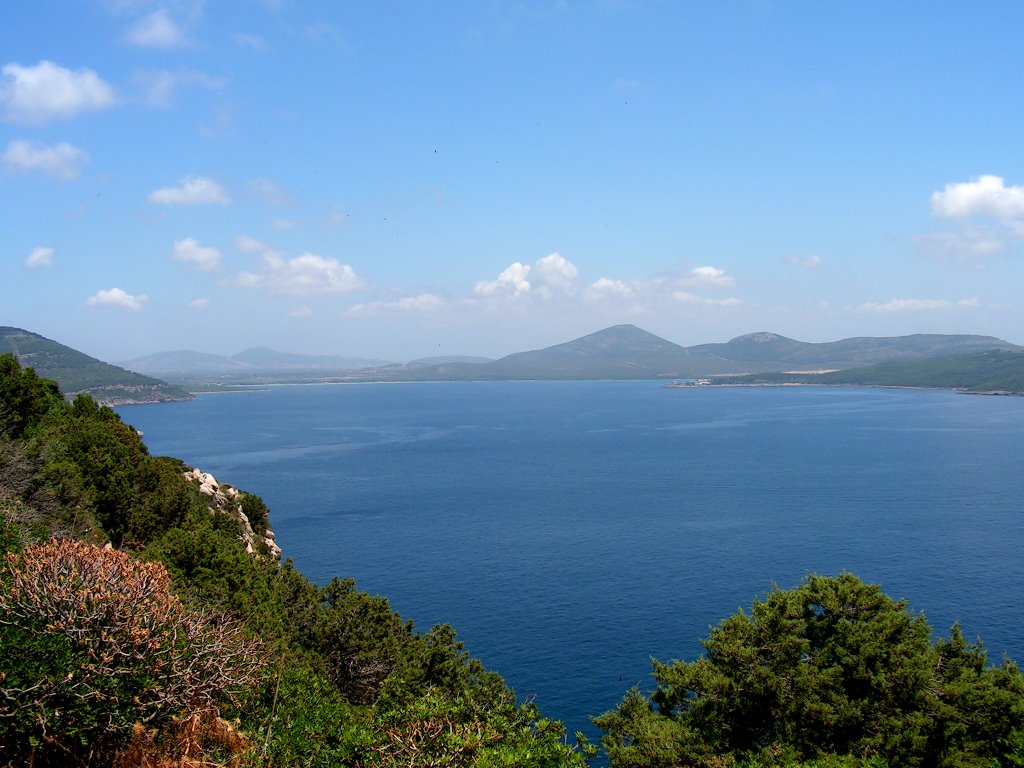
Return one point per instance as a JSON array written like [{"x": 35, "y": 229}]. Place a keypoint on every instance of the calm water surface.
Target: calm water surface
[{"x": 571, "y": 530}]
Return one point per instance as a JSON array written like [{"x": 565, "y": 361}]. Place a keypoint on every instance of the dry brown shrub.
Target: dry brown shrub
[
  {"x": 187, "y": 743},
  {"x": 145, "y": 656}
]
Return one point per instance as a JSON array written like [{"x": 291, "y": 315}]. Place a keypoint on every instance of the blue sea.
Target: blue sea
[{"x": 570, "y": 531}]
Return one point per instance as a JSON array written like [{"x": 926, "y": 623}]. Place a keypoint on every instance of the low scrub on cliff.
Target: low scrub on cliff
[{"x": 147, "y": 620}]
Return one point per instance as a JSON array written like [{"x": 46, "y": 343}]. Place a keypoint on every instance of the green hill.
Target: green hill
[
  {"x": 781, "y": 352},
  {"x": 998, "y": 371},
  {"x": 628, "y": 352},
  {"x": 77, "y": 373}
]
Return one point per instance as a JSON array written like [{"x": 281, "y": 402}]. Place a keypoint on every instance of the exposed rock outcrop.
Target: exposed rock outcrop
[{"x": 228, "y": 500}]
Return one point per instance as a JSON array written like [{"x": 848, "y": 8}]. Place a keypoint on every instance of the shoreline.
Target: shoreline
[{"x": 780, "y": 384}]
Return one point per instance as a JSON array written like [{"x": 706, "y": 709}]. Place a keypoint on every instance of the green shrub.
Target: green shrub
[
  {"x": 832, "y": 672},
  {"x": 93, "y": 641}
]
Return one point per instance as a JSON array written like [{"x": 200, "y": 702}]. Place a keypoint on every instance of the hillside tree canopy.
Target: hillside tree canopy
[{"x": 831, "y": 668}]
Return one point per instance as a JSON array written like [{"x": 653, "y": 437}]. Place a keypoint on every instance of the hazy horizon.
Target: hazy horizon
[
  {"x": 404, "y": 180},
  {"x": 231, "y": 353}
]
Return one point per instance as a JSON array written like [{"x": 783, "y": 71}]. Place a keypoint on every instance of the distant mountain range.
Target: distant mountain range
[
  {"x": 619, "y": 352},
  {"x": 628, "y": 352},
  {"x": 257, "y": 359},
  {"x": 77, "y": 373}
]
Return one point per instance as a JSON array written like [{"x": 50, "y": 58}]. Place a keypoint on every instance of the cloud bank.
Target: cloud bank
[
  {"x": 118, "y": 299},
  {"x": 193, "y": 190},
  {"x": 188, "y": 251},
  {"x": 61, "y": 161},
  {"x": 48, "y": 91},
  {"x": 305, "y": 275},
  {"x": 990, "y": 215},
  {"x": 985, "y": 195}
]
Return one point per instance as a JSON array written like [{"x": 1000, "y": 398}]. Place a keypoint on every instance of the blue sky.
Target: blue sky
[{"x": 403, "y": 179}]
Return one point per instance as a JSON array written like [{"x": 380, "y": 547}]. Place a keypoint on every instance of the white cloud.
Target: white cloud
[
  {"x": 48, "y": 91},
  {"x": 269, "y": 192},
  {"x": 199, "y": 303},
  {"x": 918, "y": 305},
  {"x": 554, "y": 273},
  {"x": 40, "y": 257},
  {"x": 193, "y": 190},
  {"x": 304, "y": 275},
  {"x": 115, "y": 297},
  {"x": 807, "y": 262},
  {"x": 157, "y": 30},
  {"x": 605, "y": 287},
  {"x": 425, "y": 302},
  {"x": 550, "y": 275},
  {"x": 61, "y": 161},
  {"x": 158, "y": 86},
  {"x": 202, "y": 258},
  {"x": 300, "y": 312},
  {"x": 511, "y": 280},
  {"x": 689, "y": 298},
  {"x": 282, "y": 223},
  {"x": 986, "y": 195},
  {"x": 709, "y": 276}
]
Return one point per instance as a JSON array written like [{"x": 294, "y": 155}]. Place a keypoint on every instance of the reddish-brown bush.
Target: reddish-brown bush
[{"x": 124, "y": 648}]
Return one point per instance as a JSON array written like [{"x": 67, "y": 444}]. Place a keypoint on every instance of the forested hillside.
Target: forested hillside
[
  {"x": 146, "y": 631},
  {"x": 147, "y": 620},
  {"x": 995, "y": 371},
  {"x": 77, "y": 373}
]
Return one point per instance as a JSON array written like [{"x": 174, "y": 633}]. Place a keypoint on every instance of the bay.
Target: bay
[{"x": 570, "y": 531}]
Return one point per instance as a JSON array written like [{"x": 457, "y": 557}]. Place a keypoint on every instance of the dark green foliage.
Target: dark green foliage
[
  {"x": 97, "y": 461},
  {"x": 362, "y": 640},
  {"x": 24, "y": 397},
  {"x": 352, "y": 682},
  {"x": 999, "y": 370},
  {"x": 76, "y": 372},
  {"x": 830, "y": 669},
  {"x": 10, "y": 534},
  {"x": 302, "y": 720},
  {"x": 257, "y": 512}
]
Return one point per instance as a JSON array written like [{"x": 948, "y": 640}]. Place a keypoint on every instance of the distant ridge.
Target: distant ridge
[
  {"x": 994, "y": 371},
  {"x": 442, "y": 359},
  {"x": 78, "y": 373},
  {"x": 848, "y": 353},
  {"x": 257, "y": 360},
  {"x": 619, "y": 352},
  {"x": 628, "y": 352}
]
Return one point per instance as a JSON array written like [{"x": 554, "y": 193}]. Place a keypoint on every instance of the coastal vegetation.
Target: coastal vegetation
[
  {"x": 134, "y": 623},
  {"x": 78, "y": 373},
  {"x": 995, "y": 371},
  {"x": 145, "y": 619},
  {"x": 830, "y": 673}
]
